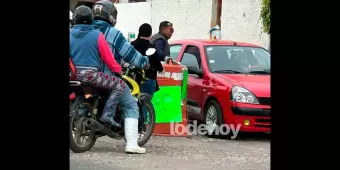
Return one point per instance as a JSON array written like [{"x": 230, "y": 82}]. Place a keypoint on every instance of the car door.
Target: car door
[{"x": 192, "y": 57}]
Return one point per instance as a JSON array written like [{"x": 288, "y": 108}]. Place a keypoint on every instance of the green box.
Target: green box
[{"x": 168, "y": 104}]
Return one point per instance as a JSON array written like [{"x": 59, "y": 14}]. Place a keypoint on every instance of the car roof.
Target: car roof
[{"x": 213, "y": 42}]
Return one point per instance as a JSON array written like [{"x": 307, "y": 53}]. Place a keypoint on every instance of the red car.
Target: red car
[{"x": 229, "y": 83}]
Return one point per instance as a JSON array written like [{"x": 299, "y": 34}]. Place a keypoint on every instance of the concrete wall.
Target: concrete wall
[
  {"x": 191, "y": 18},
  {"x": 127, "y": 1},
  {"x": 73, "y": 3},
  {"x": 132, "y": 15},
  {"x": 240, "y": 21}
]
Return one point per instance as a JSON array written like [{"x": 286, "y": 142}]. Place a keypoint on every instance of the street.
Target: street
[{"x": 250, "y": 152}]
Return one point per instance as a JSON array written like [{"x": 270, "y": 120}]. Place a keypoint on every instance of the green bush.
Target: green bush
[{"x": 265, "y": 15}]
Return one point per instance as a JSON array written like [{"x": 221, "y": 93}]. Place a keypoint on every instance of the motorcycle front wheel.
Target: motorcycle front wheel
[{"x": 145, "y": 125}]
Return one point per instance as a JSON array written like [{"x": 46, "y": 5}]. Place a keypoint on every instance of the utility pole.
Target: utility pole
[{"x": 216, "y": 12}]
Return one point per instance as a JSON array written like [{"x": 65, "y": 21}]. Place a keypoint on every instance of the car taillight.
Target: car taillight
[{"x": 72, "y": 96}]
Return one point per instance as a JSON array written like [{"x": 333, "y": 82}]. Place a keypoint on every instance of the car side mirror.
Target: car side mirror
[{"x": 194, "y": 70}]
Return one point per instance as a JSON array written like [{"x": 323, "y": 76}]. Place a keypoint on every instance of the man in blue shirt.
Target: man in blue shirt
[{"x": 105, "y": 15}]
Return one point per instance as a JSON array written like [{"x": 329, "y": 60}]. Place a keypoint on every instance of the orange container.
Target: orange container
[{"x": 173, "y": 76}]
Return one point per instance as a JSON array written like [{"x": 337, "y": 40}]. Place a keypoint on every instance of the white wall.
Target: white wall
[
  {"x": 240, "y": 21},
  {"x": 132, "y": 15},
  {"x": 186, "y": 15},
  {"x": 192, "y": 18}
]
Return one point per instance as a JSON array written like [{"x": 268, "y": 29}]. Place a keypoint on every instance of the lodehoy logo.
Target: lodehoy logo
[{"x": 202, "y": 129}]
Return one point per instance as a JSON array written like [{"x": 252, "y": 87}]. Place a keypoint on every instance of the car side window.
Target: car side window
[
  {"x": 174, "y": 51},
  {"x": 191, "y": 57}
]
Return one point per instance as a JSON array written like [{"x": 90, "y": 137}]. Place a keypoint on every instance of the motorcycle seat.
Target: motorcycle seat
[{"x": 81, "y": 88}]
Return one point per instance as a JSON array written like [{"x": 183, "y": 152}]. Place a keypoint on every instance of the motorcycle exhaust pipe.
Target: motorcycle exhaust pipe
[{"x": 94, "y": 125}]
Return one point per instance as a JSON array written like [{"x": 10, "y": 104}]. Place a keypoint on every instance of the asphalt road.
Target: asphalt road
[{"x": 199, "y": 152}]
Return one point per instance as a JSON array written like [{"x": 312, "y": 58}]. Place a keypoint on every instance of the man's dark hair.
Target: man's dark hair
[
  {"x": 164, "y": 24},
  {"x": 145, "y": 30}
]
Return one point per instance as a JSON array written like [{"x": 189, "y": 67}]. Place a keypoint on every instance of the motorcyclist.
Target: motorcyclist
[
  {"x": 88, "y": 50},
  {"x": 105, "y": 16}
]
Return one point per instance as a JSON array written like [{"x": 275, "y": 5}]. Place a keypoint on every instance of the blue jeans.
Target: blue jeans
[
  {"x": 120, "y": 94},
  {"x": 127, "y": 103},
  {"x": 149, "y": 87}
]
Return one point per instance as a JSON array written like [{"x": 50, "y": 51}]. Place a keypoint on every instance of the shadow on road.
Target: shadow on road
[
  {"x": 254, "y": 137},
  {"x": 108, "y": 149},
  {"x": 243, "y": 136},
  {"x": 246, "y": 137}
]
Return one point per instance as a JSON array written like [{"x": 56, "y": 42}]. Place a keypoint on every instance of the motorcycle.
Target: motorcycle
[{"x": 86, "y": 107}]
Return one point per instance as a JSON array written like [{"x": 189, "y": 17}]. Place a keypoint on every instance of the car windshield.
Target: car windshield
[{"x": 238, "y": 59}]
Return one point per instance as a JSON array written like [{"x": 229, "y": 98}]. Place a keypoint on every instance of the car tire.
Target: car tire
[{"x": 215, "y": 106}]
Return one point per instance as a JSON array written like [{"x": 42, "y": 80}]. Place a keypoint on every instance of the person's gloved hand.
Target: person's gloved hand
[
  {"x": 162, "y": 72},
  {"x": 118, "y": 74},
  {"x": 168, "y": 59},
  {"x": 147, "y": 66},
  {"x": 121, "y": 73}
]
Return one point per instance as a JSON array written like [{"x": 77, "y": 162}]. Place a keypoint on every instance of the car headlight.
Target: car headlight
[{"x": 240, "y": 94}]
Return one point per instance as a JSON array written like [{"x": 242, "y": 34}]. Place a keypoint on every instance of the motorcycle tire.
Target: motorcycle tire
[{"x": 73, "y": 145}]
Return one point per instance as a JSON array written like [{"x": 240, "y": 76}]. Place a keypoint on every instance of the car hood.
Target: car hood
[{"x": 257, "y": 84}]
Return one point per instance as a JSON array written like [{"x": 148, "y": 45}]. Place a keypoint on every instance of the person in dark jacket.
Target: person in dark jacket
[
  {"x": 160, "y": 39},
  {"x": 142, "y": 44}
]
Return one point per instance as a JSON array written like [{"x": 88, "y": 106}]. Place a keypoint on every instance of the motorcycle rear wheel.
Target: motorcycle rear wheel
[{"x": 74, "y": 146}]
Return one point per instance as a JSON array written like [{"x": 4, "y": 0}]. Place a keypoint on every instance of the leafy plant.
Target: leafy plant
[{"x": 265, "y": 15}]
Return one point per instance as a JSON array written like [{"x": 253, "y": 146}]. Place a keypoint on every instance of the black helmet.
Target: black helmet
[
  {"x": 82, "y": 15},
  {"x": 105, "y": 10}
]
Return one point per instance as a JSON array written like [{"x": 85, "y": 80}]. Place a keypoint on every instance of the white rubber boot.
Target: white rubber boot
[{"x": 131, "y": 135}]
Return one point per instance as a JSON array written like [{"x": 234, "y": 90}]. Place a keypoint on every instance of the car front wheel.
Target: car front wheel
[{"x": 213, "y": 118}]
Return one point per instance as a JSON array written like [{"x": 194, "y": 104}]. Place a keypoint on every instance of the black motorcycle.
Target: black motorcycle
[{"x": 86, "y": 108}]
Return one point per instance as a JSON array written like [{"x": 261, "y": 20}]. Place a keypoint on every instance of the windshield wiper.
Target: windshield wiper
[
  {"x": 260, "y": 72},
  {"x": 227, "y": 71}
]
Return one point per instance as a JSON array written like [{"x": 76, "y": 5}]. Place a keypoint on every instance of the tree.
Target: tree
[{"x": 265, "y": 15}]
